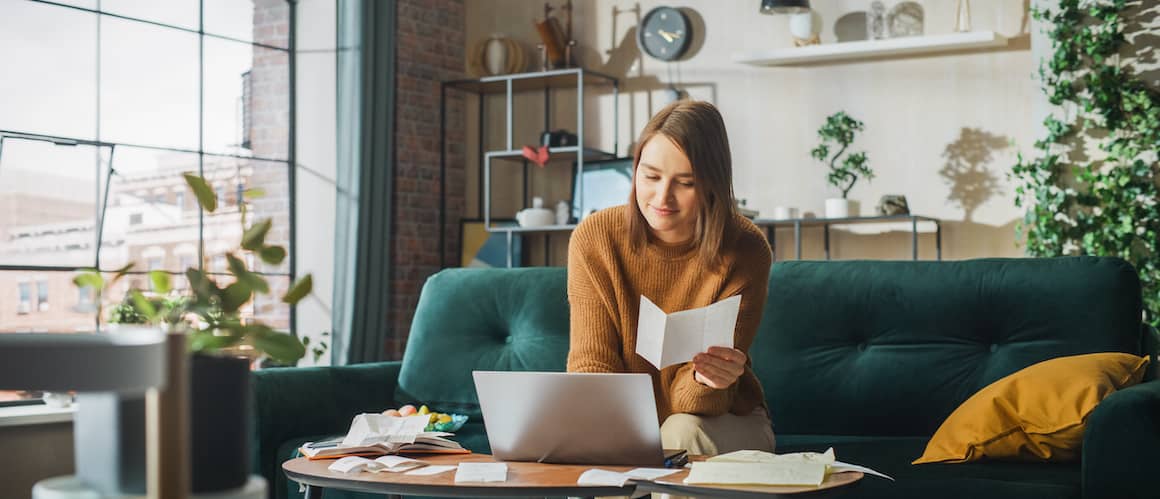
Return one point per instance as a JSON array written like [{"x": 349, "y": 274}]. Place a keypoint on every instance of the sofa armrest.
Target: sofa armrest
[
  {"x": 295, "y": 402},
  {"x": 1121, "y": 445}
]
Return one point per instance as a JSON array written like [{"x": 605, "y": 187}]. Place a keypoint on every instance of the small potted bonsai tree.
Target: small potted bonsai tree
[{"x": 838, "y": 133}]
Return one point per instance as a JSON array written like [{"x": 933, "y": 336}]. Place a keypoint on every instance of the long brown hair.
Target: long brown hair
[{"x": 697, "y": 129}]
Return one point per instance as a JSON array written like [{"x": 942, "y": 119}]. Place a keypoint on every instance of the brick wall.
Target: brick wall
[
  {"x": 430, "y": 49},
  {"x": 269, "y": 134}
]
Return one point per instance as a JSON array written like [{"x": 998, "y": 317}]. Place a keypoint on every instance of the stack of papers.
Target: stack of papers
[
  {"x": 752, "y": 467},
  {"x": 376, "y": 434}
]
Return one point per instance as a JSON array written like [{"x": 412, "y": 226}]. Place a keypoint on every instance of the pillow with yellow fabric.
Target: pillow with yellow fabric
[{"x": 1037, "y": 413}]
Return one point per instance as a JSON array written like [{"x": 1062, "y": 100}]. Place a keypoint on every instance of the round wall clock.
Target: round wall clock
[{"x": 664, "y": 33}]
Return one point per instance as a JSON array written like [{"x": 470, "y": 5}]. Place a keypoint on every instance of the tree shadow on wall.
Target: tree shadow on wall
[
  {"x": 1142, "y": 36},
  {"x": 967, "y": 170}
]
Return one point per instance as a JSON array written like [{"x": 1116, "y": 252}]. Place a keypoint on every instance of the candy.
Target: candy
[{"x": 407, "y": 410}]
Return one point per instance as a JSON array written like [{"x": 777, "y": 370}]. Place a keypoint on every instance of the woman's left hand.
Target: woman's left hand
[{"x": 719, "y": 367}]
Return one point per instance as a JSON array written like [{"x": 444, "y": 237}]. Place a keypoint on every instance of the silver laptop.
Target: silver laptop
[{"x": 570, "y": 418}]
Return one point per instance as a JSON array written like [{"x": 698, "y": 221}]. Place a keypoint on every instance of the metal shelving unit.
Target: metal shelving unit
[
  {"x": 546, "y": 82},
  {"x": 771, "y": 225}
]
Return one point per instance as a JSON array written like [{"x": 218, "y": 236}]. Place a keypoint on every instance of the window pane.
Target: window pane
[
  {"x": 180, "y": 13},
  {"x": 150, "y": 220},
  {"x": 223, "y": 229},
  {"x": 149, "y": 84},
  {"x": 23, "y": 293},
  {"x": 247, "y": 99},
  {"x": 48, "y": 204},
  {"x": 261, "y": 21},
  {"x": 270, "y": 309},
  {"x": 49, "y": 85}
]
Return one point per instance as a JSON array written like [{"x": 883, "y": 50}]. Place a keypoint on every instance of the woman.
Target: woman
[{"x": 679, "y": 242}]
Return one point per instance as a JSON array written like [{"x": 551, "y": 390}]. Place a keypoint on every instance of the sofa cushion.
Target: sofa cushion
[
  {"x": 902, "y": 344},
  {"x": 892, "y": 456},
  {"x": 482, "y": 319},
  {"x": 1038, "y": 413}
]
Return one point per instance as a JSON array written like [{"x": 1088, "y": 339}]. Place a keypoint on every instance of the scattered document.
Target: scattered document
[
  {"x": 756, "y": 456},
  {"x": 367, "y": 429},
  {"x": 784, "y": 474},
  {"x": 393, "y": 464},
  {"x": 599, "y": 477},
  {"x": 431, "y": 470},
  {"x": 376, "y": 434},
  {"x": 481, "y": 472},
  {"x": 667, "y": 339}
]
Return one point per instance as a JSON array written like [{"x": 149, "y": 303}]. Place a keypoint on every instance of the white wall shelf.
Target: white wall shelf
[{"x": 871, "y": 49}]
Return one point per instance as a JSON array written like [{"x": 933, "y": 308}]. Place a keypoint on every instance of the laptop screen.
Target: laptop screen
[{"x": 607, "y": 183}]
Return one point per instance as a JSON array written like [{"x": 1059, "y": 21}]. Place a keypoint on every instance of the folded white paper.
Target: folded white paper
[
  {"x": 431, "y": 470},
  {"x": 596, "y": 476},
  {"x": 667, "y": 339},
  {"x": 481, "y": 472},
  {"x": 350, "y": 464},
  {"x": 368, "y": 429}
]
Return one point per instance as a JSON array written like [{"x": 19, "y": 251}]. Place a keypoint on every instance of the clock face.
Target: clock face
[{"x": 664, "y": 33}]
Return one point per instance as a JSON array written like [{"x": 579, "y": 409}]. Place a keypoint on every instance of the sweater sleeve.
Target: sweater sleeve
[
  {"x": 749, "y": 278},
  {"x": 594, "y": 342}
]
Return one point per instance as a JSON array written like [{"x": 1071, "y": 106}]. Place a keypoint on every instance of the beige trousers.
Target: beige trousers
[{"x": 710, "y": 436}]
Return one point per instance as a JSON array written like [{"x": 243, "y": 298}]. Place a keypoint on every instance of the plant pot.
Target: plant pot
[
  {"x": 841, "y": 208},
  {"x": 219, "y": 419}
]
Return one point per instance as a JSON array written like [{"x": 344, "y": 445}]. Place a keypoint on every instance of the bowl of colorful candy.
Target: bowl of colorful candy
[{"x": 438, "y": 421}]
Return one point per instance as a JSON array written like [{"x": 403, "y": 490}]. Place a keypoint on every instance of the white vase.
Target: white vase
[
  {"x": 841, "y": 208},
  {"x": 805, "y": 26},
  {"x": 495, "y": 55}
]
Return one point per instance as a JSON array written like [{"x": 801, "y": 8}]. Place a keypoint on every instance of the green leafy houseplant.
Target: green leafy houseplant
[
  {"x": 1076, "y": 202},
  {"x": 838, "y": 132},
  {"x": 212, "y": 312}
]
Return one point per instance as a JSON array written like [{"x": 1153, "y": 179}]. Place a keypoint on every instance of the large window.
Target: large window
[{"x": 103, "y": 105}]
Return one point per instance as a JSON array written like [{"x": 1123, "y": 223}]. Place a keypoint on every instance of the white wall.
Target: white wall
[{"x": 916, "y": 112}]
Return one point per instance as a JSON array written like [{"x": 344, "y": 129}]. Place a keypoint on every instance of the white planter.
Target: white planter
[{"x": 841, "y": 208}]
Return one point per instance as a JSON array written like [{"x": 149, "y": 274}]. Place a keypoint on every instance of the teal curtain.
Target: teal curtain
[{"x": 366, "y": 158}]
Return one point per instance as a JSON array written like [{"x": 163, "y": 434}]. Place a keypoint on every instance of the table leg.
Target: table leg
[
  {"x": 826, "y": 229},
  {"x": 797, "y": 237},
  {"x": 938, "y": 239},
  {"x": 510, "y": 250},
  {"x": 914, "y": 239},
  {"x": 313, "y": 492}
]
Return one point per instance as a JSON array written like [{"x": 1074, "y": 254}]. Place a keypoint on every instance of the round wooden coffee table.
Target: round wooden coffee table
[{"x": 531, "y": 480}]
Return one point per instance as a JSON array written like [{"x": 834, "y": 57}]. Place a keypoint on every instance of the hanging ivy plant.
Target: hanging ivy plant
[{"x": 1079, "y": 201}]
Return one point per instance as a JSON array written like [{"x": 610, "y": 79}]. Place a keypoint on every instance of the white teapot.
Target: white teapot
[{"x": 536, "y": 216}]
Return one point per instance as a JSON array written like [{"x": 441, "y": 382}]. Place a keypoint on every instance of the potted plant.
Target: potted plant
[
  {"x": 222, "y": 341},
  {"x": 838, "y": 132}
]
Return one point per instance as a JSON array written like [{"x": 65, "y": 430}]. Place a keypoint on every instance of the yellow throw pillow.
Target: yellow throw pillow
[{"x": 1037, "y": 413}]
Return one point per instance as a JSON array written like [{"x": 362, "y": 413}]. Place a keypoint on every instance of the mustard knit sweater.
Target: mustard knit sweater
[{"x": 606, "y": 278}]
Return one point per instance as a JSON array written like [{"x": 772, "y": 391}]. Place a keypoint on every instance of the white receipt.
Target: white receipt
[
  {"x": 667, "y": 339},
  {"x": 481, "y": 472},
  {"x": 431, "y": 470},
  {"x": 596, "y": 476}
]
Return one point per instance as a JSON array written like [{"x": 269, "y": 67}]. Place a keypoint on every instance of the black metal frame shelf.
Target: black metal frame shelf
[
  {"x": 770, "y": 226},
  {"x": 508, "y": 85}
]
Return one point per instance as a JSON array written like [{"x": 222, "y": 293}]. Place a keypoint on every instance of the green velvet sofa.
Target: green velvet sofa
[{"x": 866, "y": 356}]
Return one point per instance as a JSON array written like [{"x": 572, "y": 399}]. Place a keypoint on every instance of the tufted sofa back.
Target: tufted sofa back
[
  {"x": 483, "y": 319},
  {"x": 892, "y": 348},
  {"x": 844, "y": 348}
]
